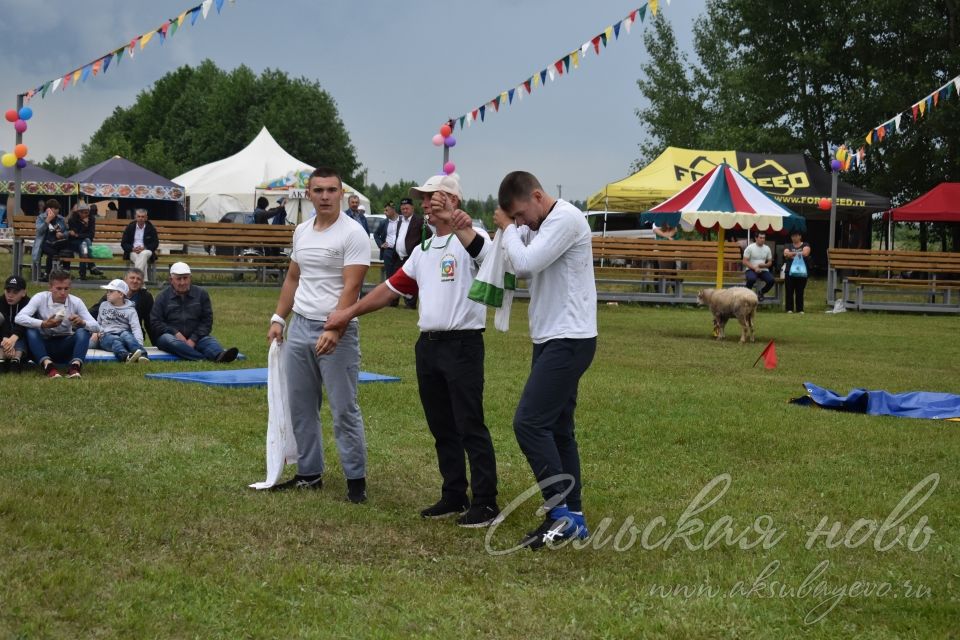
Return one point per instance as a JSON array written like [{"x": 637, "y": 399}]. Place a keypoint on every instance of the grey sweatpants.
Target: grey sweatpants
[{"x": 337, "y": 372}]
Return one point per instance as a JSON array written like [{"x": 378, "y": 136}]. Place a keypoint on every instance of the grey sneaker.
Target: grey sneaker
[{"x": 299, "y": 482}]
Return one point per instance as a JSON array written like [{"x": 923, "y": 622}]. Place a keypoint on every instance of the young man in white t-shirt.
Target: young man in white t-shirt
[
  {"x": 549, "y": 243},
  {"x": 757, "y": 260},
  {"x": 449, "y": 353},
  {"x": 331, "y": 254}
]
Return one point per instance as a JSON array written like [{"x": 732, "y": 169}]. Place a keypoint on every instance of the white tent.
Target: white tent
[{"x": 231, "y": 184}]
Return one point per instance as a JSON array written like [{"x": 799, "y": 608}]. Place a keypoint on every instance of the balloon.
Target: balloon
[
  {"x": 20, "y": 126},
  {"x": 824, "y": 204},
  {"x": 26, "y": 113},
  {"x": 11, "y": 115},
  {"x": 437, "y": 140},
  {"x": 21, "y": 163},
  {"x": 449, "y": 168},
  {"x": 20, "y": 151},
  {"x": 446, "y": 130},
  {"x": 8, "y": 160},
  {"x": 835, "y": 165},
  {"x": 450, "y": 141}
]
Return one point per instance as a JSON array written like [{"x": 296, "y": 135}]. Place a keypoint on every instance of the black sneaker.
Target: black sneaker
[
  {"x": 228, "y": 356},
  {"x": 299, "y": 482},
  {"x": 357, "y": 490},
  {"x": 479, "y": 516},
  {"x": 445, "y": 508}
]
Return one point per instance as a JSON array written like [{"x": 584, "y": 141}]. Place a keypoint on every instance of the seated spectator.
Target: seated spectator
[
  {"x": 182, "y": 318},
  {"x": 82, "y": 229},
  {"x": 13, "y": 337},
  {"x": 757, "y": 260},
  {"x": 58, "y": 327},
  {"x": 141, "y": 299},
  {"x": 140, "y": 241},
  {"x": 56, "y": 242},
  {"x": 119, "y": 325}
]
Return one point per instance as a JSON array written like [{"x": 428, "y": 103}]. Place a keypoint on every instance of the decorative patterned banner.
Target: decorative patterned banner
[
  {"x": 150, "y": 192},
  {"x": 562, "y": 66},
  {"x": 917, "y": 111},
  {"x": 101, "y": 64}
]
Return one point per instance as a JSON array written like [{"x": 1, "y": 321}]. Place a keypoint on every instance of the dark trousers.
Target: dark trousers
[
  {"x": 450, "y": 377},
  {"x": 795, "y": 287},
  {"x": 391, "y": 262},
  {"x": 411, "y": 303},
  {"x": 752, "y": 277},
  {"x": 544, "y": 423}
]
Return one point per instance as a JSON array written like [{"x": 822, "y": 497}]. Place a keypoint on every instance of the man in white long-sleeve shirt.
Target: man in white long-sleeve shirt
[
  {"x": 549, "y": 243},
  {"x": 58, "y": 327}
]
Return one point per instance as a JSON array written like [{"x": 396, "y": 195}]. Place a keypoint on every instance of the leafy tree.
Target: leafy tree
[
  {"x": 195, "y": 115},
  {"x": 66, "y": 166}
]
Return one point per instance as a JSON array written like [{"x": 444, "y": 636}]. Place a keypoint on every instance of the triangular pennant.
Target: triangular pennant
[
  {"x": 46, "y": 87},
  {"x": 462, "y": 119},
  {"x": 881, "y": 133},
  {"x": 510, "y": 96},
  {"x": 474, "y": 114},
  {"x": 76, "y": 76},
  {"x": 496, "y": 104},
  {"x": 482, "y": 109},
  {"x": 519, "y": 91},
  {"x": 923, "y": 107},
  {"x": 145, "y": 38},
  {"x": 936, "y": 98},
  {"x": 558, "y": 65},
  {"x": 194, "y": 14},
  {"x": 603, "y": 38},
  {"x": 96, "y": 66},
  {"x": 174, "y": 24},
  {"x": 85, "y": 74},
  {"x": 956, "y": 84},
  {"x": 504, "y": 97},
  {"x": 526, "y": 84},
  {"x": 133, "y": 43},
  {"x": 205, "y": 7},
  {"x": 552, "y": 73},
  {"x": 896, "y": 122},
  {"x": 584, "y": 48},
  {"x": 566, "y": 63},
  {"x": 219, "y": 5},
  {"x": 616, "y": 31},
  {"x": 608, "y": 32},
  {"x": 948, "y": 91},
  {"x": 181, "y": 17},
  {"x": 164, "y": 28},
  {"x": 914, "y": 109},
  {"x": 543, "y": 77},
  {"x": 596, "y": 44},
  {"x": 629, "y": 21},
  {"x": 653, "y": 7},
  {"x": 107, "y": 59},
  {"x": 869, "y": 138},
  {"x": 575, "y": 59},
  {"x": 929, "y": 102},
  {"x": 643, "y": 12}
]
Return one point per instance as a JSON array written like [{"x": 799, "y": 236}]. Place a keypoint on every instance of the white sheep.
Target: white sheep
[{"x": 736, "y": 302}]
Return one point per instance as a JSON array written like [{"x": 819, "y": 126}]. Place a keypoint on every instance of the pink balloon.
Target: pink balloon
[
  {"x": 20, "y": 126},
  {"x": 437, "y": 140},
  {"x": 449, "y": 168}
]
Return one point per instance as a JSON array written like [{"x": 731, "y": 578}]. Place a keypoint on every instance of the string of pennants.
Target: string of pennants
[
  {"x": 557, "y": 69},
  {"x": 917, "y": 111},
  {"x": 101, "y": 64}
]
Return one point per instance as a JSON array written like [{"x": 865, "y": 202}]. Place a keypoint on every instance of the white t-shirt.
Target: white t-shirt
[
  {"x": 321, "y": 256},
  {"x": 401, "y": 246},
  {"x": 442, "y": 275},
  {"x": 558, "y": 260},
  {"x": 757, "y": 255}
]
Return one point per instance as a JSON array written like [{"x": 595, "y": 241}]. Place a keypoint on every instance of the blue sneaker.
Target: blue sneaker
[{"x": 560, "y": 524}]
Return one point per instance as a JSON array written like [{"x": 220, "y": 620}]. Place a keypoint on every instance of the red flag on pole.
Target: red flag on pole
[{"x": 769, "y": 356}]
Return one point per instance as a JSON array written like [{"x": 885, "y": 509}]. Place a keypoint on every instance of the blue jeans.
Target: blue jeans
[
  {"x": 207, "y": 347},
  {"x": 122, "y": 344},
  {"x": 752, "y": 276},
  {"x": 60, "y": 348}
]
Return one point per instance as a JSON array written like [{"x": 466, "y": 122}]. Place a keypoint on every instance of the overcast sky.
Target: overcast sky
[{"x": 396, "y": 69}]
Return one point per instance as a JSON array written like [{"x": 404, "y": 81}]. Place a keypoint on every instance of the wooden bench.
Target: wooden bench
[
  {"x": 895, "y": 280},
  {"x": 670, "y": 271},
  {"x": 208, "y": 247}
]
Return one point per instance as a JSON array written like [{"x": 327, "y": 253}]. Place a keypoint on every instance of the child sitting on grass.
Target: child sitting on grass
[{"x": 120, "y": 324}]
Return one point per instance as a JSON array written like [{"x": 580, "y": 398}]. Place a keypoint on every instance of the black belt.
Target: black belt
[{"x": 450, "y": 335}]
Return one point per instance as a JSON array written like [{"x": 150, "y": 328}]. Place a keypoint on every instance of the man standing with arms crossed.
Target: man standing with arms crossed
[
  {"x": 331, "y": 254},
  {"x": 449, "y": 352},
  {"x": 548, "y": 241}
]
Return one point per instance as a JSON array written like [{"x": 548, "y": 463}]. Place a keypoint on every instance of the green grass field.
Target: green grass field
[{"x": 125, "y": 512}]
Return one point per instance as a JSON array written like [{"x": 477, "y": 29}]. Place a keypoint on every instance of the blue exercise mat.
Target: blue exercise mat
[
  {"x": 927, "y": 405},
  {"x": 245, "y": 377},
  {"x": 101, "y": 355}
]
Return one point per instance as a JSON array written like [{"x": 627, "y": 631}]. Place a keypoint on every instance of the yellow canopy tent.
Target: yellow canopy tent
[{"x": 672, "y": 171}]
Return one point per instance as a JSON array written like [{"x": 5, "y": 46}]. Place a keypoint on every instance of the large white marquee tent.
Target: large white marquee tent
[{"x": 231, "y": 184}]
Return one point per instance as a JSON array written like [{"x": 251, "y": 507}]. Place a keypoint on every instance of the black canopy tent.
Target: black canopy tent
[{"x": 134, "y": 186}]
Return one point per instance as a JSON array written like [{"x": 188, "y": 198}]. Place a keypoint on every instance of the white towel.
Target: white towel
[
  {"x": 495, "y": 283},
  {"x": 281, "y": 445}
]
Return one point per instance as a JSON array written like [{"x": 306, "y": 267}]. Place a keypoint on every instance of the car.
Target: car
[{"x": 236, "y": 217}]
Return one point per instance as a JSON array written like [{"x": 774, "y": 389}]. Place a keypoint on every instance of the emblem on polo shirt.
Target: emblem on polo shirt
[{"x": 448, "y": 268}]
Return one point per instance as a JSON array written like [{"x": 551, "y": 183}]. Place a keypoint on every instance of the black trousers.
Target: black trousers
[
  {"x": 795, "y": 287},
  {"x": 450, "y": 376},
  {"x": 544, "y": 423}
]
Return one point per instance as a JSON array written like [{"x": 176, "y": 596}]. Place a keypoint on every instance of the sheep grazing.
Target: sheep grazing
[{"x": 736, "y": 302}]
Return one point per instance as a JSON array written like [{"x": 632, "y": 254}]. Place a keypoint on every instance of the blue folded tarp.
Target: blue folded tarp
[
  {"x": 245, "y": 377},
  {"x": 928, "y": 405}
]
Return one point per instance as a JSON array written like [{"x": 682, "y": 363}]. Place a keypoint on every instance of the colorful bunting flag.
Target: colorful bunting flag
[
  {"x": 510, "y": 96},
  {"x": 917, "y": 111},
  {"x": 653, "y": 7}
]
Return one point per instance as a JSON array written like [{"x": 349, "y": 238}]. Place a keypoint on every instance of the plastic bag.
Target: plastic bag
[
  {"x": 100, "y": 251},
  {"x": 798, "y": 268}
]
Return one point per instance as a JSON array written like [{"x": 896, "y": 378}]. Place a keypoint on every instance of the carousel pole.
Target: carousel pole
[
  {"x": 720, "y": 252},
  {"x": 17, "y": 175}
]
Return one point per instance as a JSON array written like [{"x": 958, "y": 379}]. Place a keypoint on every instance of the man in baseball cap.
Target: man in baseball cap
[
  {"x": 182, "y": 318},
  {"x": 13, "y": 337}
]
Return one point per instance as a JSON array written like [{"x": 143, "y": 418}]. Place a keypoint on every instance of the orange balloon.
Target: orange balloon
[
  {"x": 446, "y": 130},
  {"x": 20, "y": 151}
]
